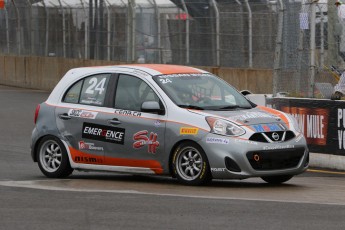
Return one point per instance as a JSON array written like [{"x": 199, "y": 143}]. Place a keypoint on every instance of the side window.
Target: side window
[
  {"x": 73, "y": 94},
  {"x": 131, "y": 92},
  {"x": 94, "y": 89},
  {"x": 88, "y": 91}
]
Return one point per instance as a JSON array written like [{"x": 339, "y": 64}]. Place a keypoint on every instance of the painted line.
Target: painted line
[
  {"x": 33, "y": 185},
  {"x": 325, "y": 171}
]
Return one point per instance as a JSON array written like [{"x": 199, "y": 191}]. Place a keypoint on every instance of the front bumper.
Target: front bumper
[{"x": 236, "y": 158}]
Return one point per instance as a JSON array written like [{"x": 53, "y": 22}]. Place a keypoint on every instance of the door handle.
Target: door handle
[
  {"x": 114, "y": 121},
  {"x": 64, "y": 116}
]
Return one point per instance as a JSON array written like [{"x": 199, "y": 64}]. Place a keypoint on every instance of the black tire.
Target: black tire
[
  {"x": 276, "y": 179},
  {"x": 190, "y": 164},
  {"x": 52, "y": 158}
]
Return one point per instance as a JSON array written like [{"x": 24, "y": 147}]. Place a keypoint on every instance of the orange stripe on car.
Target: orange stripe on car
[
  {"x": 168, "y": 69},
  {"x": 85, "y": 158},
  {"x": 277, "y": 113}
]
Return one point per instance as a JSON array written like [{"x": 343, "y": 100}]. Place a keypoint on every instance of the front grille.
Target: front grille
[
  {"x": 275, "y": 159},
  {"x": 268, "y": 137}
]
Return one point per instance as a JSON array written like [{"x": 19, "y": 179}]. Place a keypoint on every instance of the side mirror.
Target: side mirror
[{"x": 152, "y": 107}]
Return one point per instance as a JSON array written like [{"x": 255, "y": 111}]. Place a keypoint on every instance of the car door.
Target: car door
[
  {"x": 141, "y": 145},
  {"x": 80, "y": 115}
]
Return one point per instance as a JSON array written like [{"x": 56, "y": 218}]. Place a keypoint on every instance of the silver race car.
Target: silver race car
[{"x": 165, "y": 120}]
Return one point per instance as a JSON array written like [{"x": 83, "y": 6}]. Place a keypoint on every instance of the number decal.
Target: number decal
[
  {"x": 96, "y": 86},
  {"x": 164, "y": 81}
]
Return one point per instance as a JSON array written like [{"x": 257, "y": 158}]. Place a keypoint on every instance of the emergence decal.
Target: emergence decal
[{"x": 103, "y": 133}]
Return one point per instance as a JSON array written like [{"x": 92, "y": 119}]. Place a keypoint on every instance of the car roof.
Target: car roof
[{"x": 155, "y": 69}]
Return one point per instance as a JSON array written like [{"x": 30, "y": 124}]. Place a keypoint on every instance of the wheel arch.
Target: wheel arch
[
  {"x": 173, "y": 149},
  {"x": 34, "y": 152}
]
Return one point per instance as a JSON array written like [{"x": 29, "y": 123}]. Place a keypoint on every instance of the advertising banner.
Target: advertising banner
[{"x": 321, "y": 121}]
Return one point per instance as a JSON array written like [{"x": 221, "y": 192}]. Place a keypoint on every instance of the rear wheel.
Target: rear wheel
[
  {"x": 52, "y": 158},
  {"x": 276, "y": 179},
  {"x": 190, "y": 164}
]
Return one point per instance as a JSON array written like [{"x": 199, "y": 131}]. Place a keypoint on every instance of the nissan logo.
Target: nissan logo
[{"x": 275, "y": 136}]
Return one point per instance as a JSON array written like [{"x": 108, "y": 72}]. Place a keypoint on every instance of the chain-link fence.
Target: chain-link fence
[
  {"x": 312, "y": 41},
  {"x": 231, "y": 33},
  {"x": 299, "y": 39}
]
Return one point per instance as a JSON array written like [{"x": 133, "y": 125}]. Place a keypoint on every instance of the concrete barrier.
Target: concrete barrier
[{"x": 44, "y": 72}]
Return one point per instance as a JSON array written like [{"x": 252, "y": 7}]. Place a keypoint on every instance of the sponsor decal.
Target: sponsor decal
[
  {"x": 103, "y": 133},
  {"x": 188, "y": 131},
  {"x": 127, "y": 112},
  {"x": 88, "y": 160},
  {"x": 185, "y": 75},
  {"x": 82, "y": 113},
  {"x": 218, "y": 169},
  {"x": 278, "y": 147},
  {"x": 246, "y": 141},
  {"x": 89, "y": 146},
  {"x": 91, "y": 100},
  {"x": 141, "y": 139},
  {"x": 252, "y": 115},
  {"x": 268, "y": 128},
  {"x": 157, "y": 123},
  {"x": 217, "y": 140},
  {"x": 313, "y": 123},
  {"x": 164, "y": 81}
]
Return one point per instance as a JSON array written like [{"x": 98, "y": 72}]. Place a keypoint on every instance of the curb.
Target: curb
[{"x": 327, "y": 161}]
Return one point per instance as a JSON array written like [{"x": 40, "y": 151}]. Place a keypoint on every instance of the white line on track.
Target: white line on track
[{"x": 33, "y": 185}]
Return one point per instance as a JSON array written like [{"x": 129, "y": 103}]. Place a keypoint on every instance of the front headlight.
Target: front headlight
[{"x": 224, "y": 127}]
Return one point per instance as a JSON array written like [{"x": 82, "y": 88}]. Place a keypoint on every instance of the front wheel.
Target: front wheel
[
  {"x": 190, "y": 164},
  {"x": 276, "y": 179},
  {"x": 52, "y": 158}
]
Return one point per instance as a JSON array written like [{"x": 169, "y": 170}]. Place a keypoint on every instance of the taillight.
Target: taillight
[{"x": 37, "y": 112}]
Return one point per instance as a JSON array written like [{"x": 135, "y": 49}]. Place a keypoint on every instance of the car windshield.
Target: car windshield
[{"x": 201, "y": 92}]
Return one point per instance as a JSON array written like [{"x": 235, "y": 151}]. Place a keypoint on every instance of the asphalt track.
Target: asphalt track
[{"x": 28, "y": 200}]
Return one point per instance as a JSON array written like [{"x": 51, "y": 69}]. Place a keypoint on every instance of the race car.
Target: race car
[{"x": 162, "y": 119}]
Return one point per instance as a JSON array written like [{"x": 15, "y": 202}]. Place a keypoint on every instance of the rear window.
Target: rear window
[{"x": 88, "y": 91}]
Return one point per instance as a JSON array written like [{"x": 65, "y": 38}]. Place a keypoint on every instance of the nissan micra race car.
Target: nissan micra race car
[{"x": 164, "y": 120}]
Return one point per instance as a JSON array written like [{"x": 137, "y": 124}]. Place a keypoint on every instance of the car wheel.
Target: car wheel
[
  {"x": 52, "y": 158},
  {"x": 190, "y": 164},
  {"x": 276, "y": 179}
]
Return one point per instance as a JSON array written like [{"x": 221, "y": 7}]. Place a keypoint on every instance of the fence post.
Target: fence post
[
  {"x": 18, "y": 30},
  {"x": 131, "y": 31},
  {"x": 322, "y": 38},
  {"x": 216, "y": 11},
  {"x": 47, "y": 28},
  {"x": 187, "y": 31},
  {"x": 108, "y": 30},
  {"x": 277, "y": 53},
  {"x": 312, "y": 48},
  {"x": 63, "y": 30},
  {"x": 85, "y": 30},
  {"x": 250, "y": 34},
  {"x": 158, "y": 31},
  {"x": 7, "y": 31}
]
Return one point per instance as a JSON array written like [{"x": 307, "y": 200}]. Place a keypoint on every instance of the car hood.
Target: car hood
[{"x": 257, "y": 115}]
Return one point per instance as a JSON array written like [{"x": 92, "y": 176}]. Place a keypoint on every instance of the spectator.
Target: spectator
[{"x": 339, "y": 89}]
